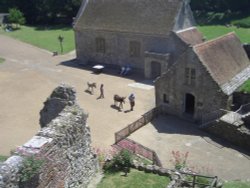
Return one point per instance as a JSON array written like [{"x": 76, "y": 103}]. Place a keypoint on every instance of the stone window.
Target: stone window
[
  {"x": 165, "y": 98},
  {"x": 134, "y": 49},
  {"x": 100, "y": 45},
  {"x": 190, "y": 76}
]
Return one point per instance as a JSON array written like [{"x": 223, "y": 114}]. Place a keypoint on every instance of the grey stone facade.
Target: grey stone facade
[
  {"x": 173, "y": 85},
  {"x": 147, "y": 22},
  {"x": 200, "y": 81},
  {"x": 63, "y": 143}
]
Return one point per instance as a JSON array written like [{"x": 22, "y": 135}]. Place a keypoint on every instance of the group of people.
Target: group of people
[
  {"x": 125, "y": 70},
  {"x": 131, "y": 97}
]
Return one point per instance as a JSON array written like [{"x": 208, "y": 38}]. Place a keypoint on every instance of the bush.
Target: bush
[
  {"x": 16, "y": 17},
  {"x": 245, "y": 22},
  {"x": 31, "y": 167},
  {"x": 121, "y": 161}
]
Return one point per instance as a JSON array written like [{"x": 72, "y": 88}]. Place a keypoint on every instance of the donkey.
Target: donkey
[
  {"x": 91, "y": 87},
  {"x": 120, "y": 100}
]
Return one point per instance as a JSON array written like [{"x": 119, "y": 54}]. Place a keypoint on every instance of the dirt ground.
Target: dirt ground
[{"x": 29, "y": 75}]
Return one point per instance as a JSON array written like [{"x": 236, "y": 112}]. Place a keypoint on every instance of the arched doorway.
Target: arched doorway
[
  {"x": 190, "y": 104},
  {"x": 155, "y": 69}
]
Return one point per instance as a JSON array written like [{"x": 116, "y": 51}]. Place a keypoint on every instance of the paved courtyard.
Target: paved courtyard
[
  {"x": 206, "y": 154},
  {"x": 29, "y": 75}
]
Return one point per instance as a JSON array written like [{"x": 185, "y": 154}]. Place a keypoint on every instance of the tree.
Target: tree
[{"x": 16, "y": 17}]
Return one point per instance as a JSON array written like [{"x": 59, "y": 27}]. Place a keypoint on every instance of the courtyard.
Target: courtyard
[
  {"x": 29, "y": 75},
  {"x": 206, "y": 154}
]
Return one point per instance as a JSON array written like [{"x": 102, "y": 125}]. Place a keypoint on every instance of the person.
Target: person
[
  {"x": 123, "y": 69},
  {"x": 101, "y": 91},
  {"x": 131, "y": 99}
]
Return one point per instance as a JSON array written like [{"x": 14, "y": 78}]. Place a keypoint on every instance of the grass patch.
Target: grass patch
[
  {"x": 245, "y": 87},
  {"x": 237, "y": 184},
  {"x": 1, "y": 60},
  {"x": 45, "y": 37},
  {"x": 135, "y": 179},
  {"x": 3, "y": 158},
  {"x": 214, "y": 31}
]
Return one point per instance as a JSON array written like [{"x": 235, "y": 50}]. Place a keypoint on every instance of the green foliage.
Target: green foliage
[
  {"x": 31, "y": 167},
  {"x": 238, "y": 184},
  {"x": 245, "y": 87},
  {"x": 135, "y": 179},
  {"x": 45, "y": 37},
  {"x": 245, "y": 22},
  {"x": 221, "y": 5},
  {"x": 214, "y": 31},
  {"x": 44, "y": 11},
  {"x": 3, "y": 158},
  {"x": 16, "y": 16},
  {"x": 121, "y": 161},
  {"x": 1, "y": 60}
]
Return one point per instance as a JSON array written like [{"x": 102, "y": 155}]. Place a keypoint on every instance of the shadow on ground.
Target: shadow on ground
[
  {"x": 172, "y": 125},
  {"x": 108, "y": 70}
]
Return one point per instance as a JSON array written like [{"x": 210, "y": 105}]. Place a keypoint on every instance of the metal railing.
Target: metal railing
[
  {"x": 195, "y": 179},
  {"x": 145, "y": 119}
]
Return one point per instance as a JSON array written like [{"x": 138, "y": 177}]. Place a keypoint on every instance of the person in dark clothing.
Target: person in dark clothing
[
  {"x": 101, "y": 92},
  {"x": 131, "y": 99}
]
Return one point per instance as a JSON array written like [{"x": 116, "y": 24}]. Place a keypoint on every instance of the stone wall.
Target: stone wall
[
  {"x": 207, "y": 95},
  {"x": 239, "y": 136},
  {"x": 239, "y": 99},
  {"x": 116, "y": 47},
  {"x": 63, "y": 143}
]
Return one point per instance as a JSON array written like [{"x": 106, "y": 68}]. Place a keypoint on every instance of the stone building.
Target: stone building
[
  {"x": 130, "y": 33},
  {"x": 204, "y": 77}
]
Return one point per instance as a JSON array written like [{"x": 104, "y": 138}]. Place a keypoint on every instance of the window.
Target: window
[
  {"x": 165, "y": 98},
  {"x": 190, "y": 76},
  {"x": 193, "y": 76},
  {"x": 134, "y": 49},
  {"x": 100, "y": 45}
]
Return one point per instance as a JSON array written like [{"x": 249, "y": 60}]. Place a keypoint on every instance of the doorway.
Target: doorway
[
  {"x": 155, "y": 69},
  {"x": 190, "y": 104}
]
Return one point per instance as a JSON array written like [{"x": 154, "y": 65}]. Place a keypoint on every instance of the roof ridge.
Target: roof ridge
[
  {"x": 186, "y": 29},
  {"x": 215, "y": 40}
]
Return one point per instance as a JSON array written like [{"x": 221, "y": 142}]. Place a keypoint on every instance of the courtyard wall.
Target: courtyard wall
[
  {"x": 64, "y": 146},
  {"x": 239, "y": 136}
]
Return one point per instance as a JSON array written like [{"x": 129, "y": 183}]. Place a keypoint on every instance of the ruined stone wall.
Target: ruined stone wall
[
  {"x": 239, "y": 136},
  {"x": 63, "y": 143}
]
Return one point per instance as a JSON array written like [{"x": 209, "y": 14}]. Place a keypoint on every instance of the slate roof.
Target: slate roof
[
  {"x": 137, "y": 16},
  {"x": 226, "y": 61},
  {"x": 190, "y": 36}
]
